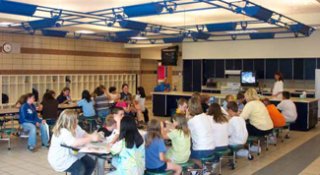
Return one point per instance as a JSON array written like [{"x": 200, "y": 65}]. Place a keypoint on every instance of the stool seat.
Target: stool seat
[
  {"x": 8, "y": 131},
  {"x": 236, "y": 147},
  {"x": 186, "y": 165},
  {"x": 221, "y": 153},
  {"x": 159, "y": 173},
  {"x": 206, "y": 159},
  {"x": 252, "y": 139}
]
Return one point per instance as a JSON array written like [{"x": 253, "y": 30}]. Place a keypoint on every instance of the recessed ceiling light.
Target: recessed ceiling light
[
  {"x": 6, "y": 24},
  {"x": 241, "y": 31},
  {"x": 139, "y": 37},
  {"x": 85, "y": 31}
]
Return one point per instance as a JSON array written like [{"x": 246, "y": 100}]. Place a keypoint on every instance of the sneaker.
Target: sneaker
[
  {"x": 45, "y": 145},
  {"x": 255, "y": 149},
  {"x": 30, "y": 148},
  {"x": 272, "y": 140},
  {"x": 214, "y": 166},
  {"x": 242, "y": 153}
]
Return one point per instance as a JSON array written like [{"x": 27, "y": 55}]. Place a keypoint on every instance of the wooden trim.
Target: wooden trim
[
  {"x": 176, "y": 72},
  {"x": 25, "y": 50},
  {"x": 148, "y": 72},
  {"x": 8, "y": 72}
]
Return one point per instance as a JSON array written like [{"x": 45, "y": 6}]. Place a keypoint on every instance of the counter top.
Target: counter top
[
  {"x": 179, "y": 93},
  {"x": 266, "y": 90}
]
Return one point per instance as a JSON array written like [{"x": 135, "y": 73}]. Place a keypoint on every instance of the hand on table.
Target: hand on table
[{"x": 95, "y": 137}]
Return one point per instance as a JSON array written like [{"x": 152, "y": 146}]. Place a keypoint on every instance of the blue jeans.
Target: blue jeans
[
  {"x": 102, "y": 114},
  {"x": 83, "y": 166},
  {"x": 32, "y": 129}
]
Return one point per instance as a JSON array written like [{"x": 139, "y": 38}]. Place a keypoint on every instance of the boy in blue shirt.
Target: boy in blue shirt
[{"x": 30, "y": 121}]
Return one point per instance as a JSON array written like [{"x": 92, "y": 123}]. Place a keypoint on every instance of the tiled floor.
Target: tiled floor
[{"x": 19, "y": 161}]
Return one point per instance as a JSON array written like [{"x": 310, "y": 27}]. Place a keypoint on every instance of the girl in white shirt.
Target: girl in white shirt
[
  {"x": 201, "y": 128},
  {"x": 278, "y": 86},
  {"x": 220, "y": 128},
  {"x": 67, "y": 132}
]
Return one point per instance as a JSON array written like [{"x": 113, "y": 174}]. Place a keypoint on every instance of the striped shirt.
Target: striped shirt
[{"x": 101, "y": 102}]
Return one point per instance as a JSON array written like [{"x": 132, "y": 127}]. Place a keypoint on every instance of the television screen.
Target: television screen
[
  {"x": 248, "y": 78},
  {"x": 169, "y": 56}
]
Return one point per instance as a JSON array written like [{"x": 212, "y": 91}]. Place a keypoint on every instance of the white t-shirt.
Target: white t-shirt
[
  {"x": 112, "y": 136},
  {"x": 220, "y": 134},
  {"x": 61, "y": 158},
  {"x": 201, "y": 129},
  {"x": 238, "y": 133},
  {"x": 288, "y": 109},
  {"x": 141, "y": 102},
  {"x": 278, "y": 87}
]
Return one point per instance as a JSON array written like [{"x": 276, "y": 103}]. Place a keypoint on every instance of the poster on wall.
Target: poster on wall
[{"x": 162, "y": 72}]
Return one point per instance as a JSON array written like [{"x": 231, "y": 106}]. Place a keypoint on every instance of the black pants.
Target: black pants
[
  {"x": 146, "y": 115},
  {"x": 253, "y": 131}
]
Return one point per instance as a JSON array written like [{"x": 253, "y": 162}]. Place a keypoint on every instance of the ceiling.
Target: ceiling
[{"x": 304, "y": 11}]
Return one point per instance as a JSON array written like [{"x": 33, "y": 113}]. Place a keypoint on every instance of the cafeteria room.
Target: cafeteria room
[{"x": 159, "y": 87}]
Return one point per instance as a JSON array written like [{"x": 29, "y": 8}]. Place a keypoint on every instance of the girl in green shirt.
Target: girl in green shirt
[{"x": 180, "y": 139}]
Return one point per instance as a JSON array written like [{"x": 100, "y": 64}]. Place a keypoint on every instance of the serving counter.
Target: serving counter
[{"x": 164, "y": 103}]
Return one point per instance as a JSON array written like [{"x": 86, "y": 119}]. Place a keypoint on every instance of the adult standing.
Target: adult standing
[{"x": 277, "y": 86}]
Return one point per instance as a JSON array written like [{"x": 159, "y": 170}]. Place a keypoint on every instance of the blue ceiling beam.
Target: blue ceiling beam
[
  {"x": 218, "y": 27},
  {"x": 200, "y": 35},
  {"x": 127, "y": 34},
  {"x": 178, "y": 39},
  {"x": 154, "y": 8},
  {"x": 301, "y": 28},
  {"x": 258, "y": 12},
  {"x": 262, "y": 35},
  {"x": 134, "y": 25},
  {"x": 17, "y": 8}
]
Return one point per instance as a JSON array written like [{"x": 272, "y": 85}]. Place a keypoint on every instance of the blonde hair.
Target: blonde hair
[
  {"x": 182, "y": 124},
  {"x": 228, "y": 97},
  {"x": 68, "y": 119},
  {"x": 110, "y": 120},
  {"x": 251, "y": 94},
  {"x": 153, "y": 131}
]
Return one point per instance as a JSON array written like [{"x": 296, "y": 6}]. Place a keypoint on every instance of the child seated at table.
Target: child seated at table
[
  {"x": 129, "y": 151},
  {"x": 240, "y": 101},
  {"x": 276, "y": 116},
  {"x": 87, "y": 105},
  {"x": 156, "y": 160},
  {"x": 182, "y": 106},
  {"x": 227, "y": 99},
  {"x": 180, "y": 139},
  {"x": 67, "y": 132},
  {"x": 237, "y": 129},
  {"x": 109, "y": 128},
  {"x": 201, "y": 128},
  {"x": 220, "y": 129},
  {"x": 118, "y": 114},
  {"x": 29, "y": 120},
  {"x": 288, "y": 108}
]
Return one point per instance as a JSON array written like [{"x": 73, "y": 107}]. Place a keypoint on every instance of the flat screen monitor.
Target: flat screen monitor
[
  {"x": 169, "y": 56},
  {"x": 248, "y": 78}
]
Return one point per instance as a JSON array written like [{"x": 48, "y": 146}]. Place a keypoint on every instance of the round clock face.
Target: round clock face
[{"x": 7, "y": 47}]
